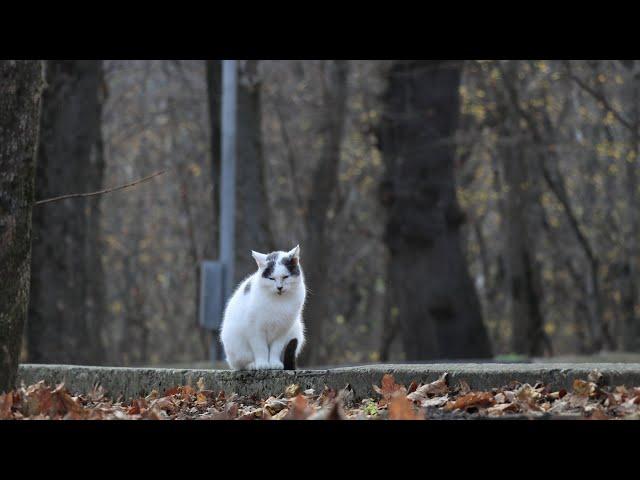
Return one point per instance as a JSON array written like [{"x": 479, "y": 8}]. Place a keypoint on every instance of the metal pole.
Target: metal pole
[{"x": 228, "y": 180}]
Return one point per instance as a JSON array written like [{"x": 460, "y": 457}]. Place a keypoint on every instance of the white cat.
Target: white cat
[{"x": 265, "y": 313}]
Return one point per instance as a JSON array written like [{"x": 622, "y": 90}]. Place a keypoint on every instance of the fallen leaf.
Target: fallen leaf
[
  {"x": 299, "y": 408},
  {"x": 389, "y": 388},
  {"x": 500, "y": 408},
  {"x": 595, "y": 376},
  {"x": 6, "y": 402},
  {"x": 346, "y": 395},
  {"x": 333, "y": 411},
  {"x": 526, "y": 393},
  {"x": 274, "y": 405},
  {"x": 281, "y": 414},
  {"x": 327, "y": 395},
  {"x": 231, "y": 410},
  {"x": 435, "y": 401},
  {"x": 401, "y": 408},
  {"x": 472, "y": 399},
  {"x": 596, "y": 413},
  {"x": 463, "y": 388},
  {"x": 187, "y": 391},
  {"x": 582, "y": 388},
  {"x": 153, "y": 413},
  {"x": 438, "y": 387},
  {"x": 172, "y": 391},
  {"x": 292, "y": 390}
]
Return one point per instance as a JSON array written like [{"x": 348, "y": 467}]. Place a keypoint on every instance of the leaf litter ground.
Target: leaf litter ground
[{"x": 589, "y": 399}]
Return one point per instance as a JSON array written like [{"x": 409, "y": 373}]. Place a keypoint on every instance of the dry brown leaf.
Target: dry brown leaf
[
  {"x": 401, "y": 408},
  {"x": 595, "y": 376},
  {"x": 463, "y": 387},
  {"x": 137, "y": 406},
  {"x": 437, "y": 387},
  {"x": 435, "y": 401},
  {"x": 281, "y": 414},
  {"x": 500, "y": 408},
  {"x": 582, "y": 388},
  {"x": 328, "y": 394},
  {"x": 187, "y": 391},
  {"x": 346, "y": 395},
  {"x": 332, "y": 411},
  {"x": 152, "y": 413},
  {"x": 472, "y": 399},
  {"x": 526, "y": 393},
  {"x": 274, "y": 405},
  {"x": 231, "y": 410},
  {"x": 596, "y": 412},
  {"x": 389, "y": 388},
  {"x": 6, "y": 402},
  {"x": 299, "y": 408},
  {"x": 292, "y": 390},
  {"x": 172, "y": 391}
]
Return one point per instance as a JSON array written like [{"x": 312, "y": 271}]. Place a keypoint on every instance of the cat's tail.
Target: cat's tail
[{"x": 289, "y": 357}]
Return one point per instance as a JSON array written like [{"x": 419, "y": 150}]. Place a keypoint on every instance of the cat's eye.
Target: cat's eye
[
  {"x": 286, "y": 276},
  {"x": 271, "y": 278}
]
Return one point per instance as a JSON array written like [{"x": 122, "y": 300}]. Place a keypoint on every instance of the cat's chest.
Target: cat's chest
[{"x": 274, "y": 315}]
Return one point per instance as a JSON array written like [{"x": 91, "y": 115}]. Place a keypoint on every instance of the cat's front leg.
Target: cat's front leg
[
  {"x": 275, "y": 354},
  {"x": 260, "y": 350}
]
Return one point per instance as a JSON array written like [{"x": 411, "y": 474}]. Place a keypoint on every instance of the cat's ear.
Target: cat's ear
[
  {"x": 260, "y": 258},
  {"x": 294, "y": 253}
]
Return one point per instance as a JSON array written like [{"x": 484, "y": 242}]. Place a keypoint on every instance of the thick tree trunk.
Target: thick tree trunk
[
  {"x": 528, "y": 336},
  {"x": 430, "y": 287},
  {"x": 21, "y": 84},
  {"x": 631, "y": 324},
  {"x": 253, "y": 231},
  {"x": 67, "y": 285},
  {"x": 316, "y": 249}
]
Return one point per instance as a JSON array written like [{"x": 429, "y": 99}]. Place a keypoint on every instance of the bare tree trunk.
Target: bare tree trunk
[
  {"x": 67, "y": 285},
  {"x": 253, "y": 231},
  {"x": 430, "y": 287},
  {"x": 631, "y": 323},
  {"x": 21, "y": 84},
  {"x": 316, "y": 248},
  {"x": 528, "y": 336}
]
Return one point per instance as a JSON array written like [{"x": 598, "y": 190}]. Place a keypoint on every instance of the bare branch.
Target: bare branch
[
  {"x": 600, "y": 97},
  {"x": 100, "y": 192}
]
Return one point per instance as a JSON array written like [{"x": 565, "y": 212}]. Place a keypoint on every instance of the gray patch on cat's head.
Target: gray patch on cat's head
[
  {"x": 273, "y": 256},
  {"x": 271, "y": 263},
  {"x": 292, "y": 265},
  {"x": 247, "y": 287}
]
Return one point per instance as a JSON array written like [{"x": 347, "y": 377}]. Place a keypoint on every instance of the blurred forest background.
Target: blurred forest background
[{"x": 445, "y": 209}]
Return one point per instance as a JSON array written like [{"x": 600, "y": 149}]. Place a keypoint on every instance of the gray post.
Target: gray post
[{"x": 228, "y": 181}]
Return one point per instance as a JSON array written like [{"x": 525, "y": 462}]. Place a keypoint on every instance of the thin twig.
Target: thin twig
[
  {"x": 100, "y": 192},
  {"x": 600, "y": 97}
]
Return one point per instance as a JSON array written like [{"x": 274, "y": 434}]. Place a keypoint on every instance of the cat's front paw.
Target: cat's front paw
[
  {"x": 276, "y": 365},
  {"x": 261, "y": 366}
]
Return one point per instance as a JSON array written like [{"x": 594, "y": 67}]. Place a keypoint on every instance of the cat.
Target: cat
[{"x": 262, "y": 325}]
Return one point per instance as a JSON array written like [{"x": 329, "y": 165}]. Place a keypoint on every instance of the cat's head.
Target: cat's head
[{"x": 279, "y": 271}]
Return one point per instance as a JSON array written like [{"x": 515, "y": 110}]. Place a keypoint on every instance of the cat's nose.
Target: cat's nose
[{"x": 279, "y": 289}]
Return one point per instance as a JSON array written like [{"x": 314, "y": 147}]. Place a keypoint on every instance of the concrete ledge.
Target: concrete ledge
[{"x": 134, "y": 382}]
